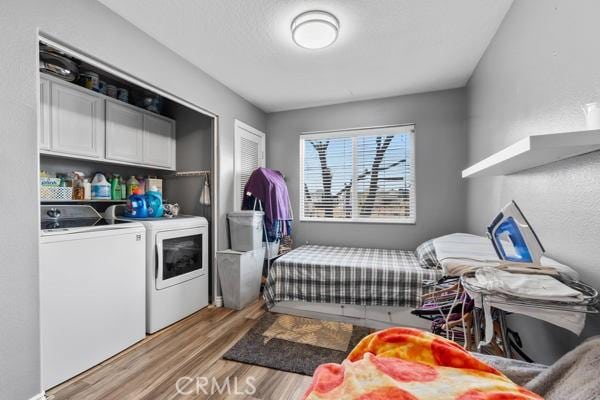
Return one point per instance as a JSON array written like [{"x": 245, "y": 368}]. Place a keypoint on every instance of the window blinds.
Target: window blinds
[{"x": 362, "y": 175}]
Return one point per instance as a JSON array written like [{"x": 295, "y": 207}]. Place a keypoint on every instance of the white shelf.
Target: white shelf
[
  {"x": 82, "y": 201},
  {"x": 534, "y": 151},
  {"x": 50, "y": 153}
]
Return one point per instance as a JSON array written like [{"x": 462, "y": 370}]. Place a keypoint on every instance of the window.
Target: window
[
  {"x": 358, "y": 175},
  {"x": 249, "y": 155}
]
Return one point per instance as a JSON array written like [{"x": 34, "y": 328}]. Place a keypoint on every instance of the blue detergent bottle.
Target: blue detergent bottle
[
  {"x": 155, "y": 203},
  {"x": 136, "y": 205}
]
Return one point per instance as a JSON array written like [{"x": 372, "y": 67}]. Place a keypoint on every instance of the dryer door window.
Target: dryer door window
[{"x": 181, "y": 255}]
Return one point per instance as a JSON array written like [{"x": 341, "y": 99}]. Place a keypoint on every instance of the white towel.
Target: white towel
[
  {"x": 541, "y": 287},
  {"x": 572, "y": 321},
  {"x": 526, "y": 286}
]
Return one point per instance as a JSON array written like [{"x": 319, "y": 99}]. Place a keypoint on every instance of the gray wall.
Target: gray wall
[
  {"x": 194, "y": 152},
  {"x": 440, "y": 154},
  {"x": 541, "y": 66},
  {"x": 85, "y": 25}
]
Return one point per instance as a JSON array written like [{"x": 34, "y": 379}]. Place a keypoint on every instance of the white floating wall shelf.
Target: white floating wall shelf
[{"x": 534, "y": 151}]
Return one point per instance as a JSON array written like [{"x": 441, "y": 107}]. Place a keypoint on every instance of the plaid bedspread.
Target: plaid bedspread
[{"x": 346, "y": 275}]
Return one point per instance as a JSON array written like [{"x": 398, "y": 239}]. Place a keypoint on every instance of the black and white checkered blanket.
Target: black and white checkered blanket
[{"x": 346, "y": 275}]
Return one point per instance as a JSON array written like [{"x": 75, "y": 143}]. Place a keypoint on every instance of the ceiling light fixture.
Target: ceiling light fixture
[{"x": 315, "y": 29}]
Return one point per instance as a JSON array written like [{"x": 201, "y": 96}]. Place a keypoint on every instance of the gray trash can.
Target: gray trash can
[
  {"x": 240, "y": 274},
  {"x": 246, "y": 228}
]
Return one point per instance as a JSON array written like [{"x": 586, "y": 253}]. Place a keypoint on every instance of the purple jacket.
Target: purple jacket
[{"x": 268, "y": 186}]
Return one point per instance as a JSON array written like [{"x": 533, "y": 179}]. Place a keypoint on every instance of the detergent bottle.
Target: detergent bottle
[
  {"x": 100, "y": 187},
  {"x": 154, "y": 203},
  {"x": 132, "y": 184},
  {"x": 136, "y": 205},
  {"x": 123, "y": 189},
  {"x": 115, "y": 187}
]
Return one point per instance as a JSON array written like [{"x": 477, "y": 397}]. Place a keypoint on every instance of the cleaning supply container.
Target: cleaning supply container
[
  {"x": 78, "y": 187},
  {"x": 136, "y": 205},
  {"x": 240, "y": 275},
  {"x": 132, "y": 185},
  {"x": 115, "y": 187},
  {"x": 87, "y": 189},
  {"x": 154, "y": 203},
  {"x": 246, "y": 229},
  {"x": 123, "y": 189},
  {"x": 100, "y": 187}
]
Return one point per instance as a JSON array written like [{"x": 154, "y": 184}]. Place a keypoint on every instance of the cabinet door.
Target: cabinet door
[
  {"x": 77, "y": 120},
  {"x": 124, "y": 133},
  {"x": 159, "y": 141},
  {"x": 44, "y": 117}
]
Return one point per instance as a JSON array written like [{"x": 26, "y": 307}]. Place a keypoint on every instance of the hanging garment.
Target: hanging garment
[
  {"x": 275, "y": 230},
  {"x": 268, "y": 187}
]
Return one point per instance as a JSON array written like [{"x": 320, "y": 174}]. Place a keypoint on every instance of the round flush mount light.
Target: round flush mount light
[{"x": 315, "y": 29}]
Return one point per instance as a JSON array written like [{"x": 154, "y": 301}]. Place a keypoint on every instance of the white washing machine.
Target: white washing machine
[
  {"x": 176, "y": 266},
  {"x": 92, "y": 289}
]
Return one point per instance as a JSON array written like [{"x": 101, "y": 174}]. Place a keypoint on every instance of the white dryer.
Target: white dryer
[{"x": 176, "y": 266}]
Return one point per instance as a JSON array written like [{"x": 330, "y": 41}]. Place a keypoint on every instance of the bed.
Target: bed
[{"x": 372, "y": 287}]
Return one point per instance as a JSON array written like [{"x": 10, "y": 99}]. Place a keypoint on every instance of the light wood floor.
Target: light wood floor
[{"x": 190, "y": 348}]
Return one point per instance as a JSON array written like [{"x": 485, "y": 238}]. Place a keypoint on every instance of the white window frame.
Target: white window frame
[
  {"x": 241, "y": 129},
  {"x": 354, "y": 133}
]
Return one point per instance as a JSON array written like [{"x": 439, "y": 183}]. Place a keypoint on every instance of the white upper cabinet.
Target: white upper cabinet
[
  {"x": 124, "y": 132},
  {"x": 77, "y": 120},
  {"x": 159, "y": 141},
  {"x": 44, "y": 118}
]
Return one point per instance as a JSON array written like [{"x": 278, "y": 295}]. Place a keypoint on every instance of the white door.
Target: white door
[
  {"x": 124, "y": 132},
  {"x": 44, "y": 117},
  {"x": 249, "y": 154},
  {"x": 77, "y": 120},
  {"x": 159, "y": 141}
]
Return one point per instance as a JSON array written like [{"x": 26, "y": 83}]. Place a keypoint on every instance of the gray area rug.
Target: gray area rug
[{"x": 284, "y": 355}]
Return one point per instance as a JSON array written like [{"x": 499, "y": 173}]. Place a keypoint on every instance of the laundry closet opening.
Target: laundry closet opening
[{"x": 102, "y": 125}]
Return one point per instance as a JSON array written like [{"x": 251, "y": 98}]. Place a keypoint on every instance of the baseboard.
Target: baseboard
[{"x": 40, "y": 396}]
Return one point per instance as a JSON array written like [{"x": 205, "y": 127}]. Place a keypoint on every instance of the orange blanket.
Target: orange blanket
[{"x": 409, "y": 364}]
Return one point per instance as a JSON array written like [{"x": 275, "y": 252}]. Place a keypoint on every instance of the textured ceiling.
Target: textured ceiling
[{"x": 385, "y": 47}]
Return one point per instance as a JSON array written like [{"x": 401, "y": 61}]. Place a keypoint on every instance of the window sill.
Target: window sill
[{"x": 359, "y": 221}]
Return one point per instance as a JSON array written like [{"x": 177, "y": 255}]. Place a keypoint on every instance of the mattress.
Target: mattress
[{"x": 348, "y": 275}]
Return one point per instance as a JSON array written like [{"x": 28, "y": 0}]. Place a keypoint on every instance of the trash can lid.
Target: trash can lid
[
  {"x": 239, "y": 253},
  {"x": 230, "y": 251}
]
